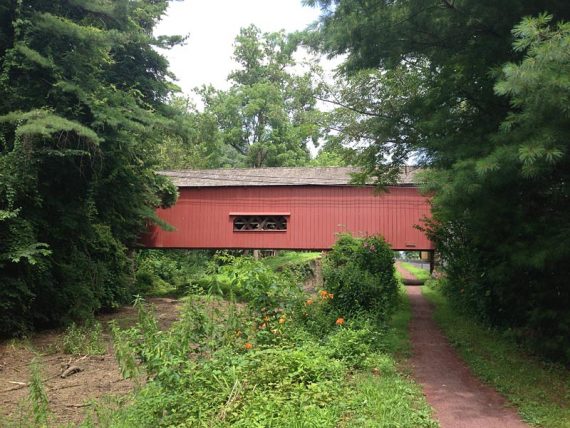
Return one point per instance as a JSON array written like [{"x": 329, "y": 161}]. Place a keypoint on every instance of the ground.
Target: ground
[
  {"x": 69, "y": 397},
  {"x": 458, "y": 398}
]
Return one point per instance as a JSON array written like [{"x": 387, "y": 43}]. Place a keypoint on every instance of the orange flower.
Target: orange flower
[
  {"x": 324, "y": 294},
  {"x": 282, "y": 320},
  {"x": 248, "y": 346},
  {"x": 340, "y": 321},
  {"x": 331, "y": 295},
  {"x": 309, "y": 302}
]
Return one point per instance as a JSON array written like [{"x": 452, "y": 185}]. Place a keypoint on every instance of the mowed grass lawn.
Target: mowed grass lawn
[
  {"x": 291, "y": 258},
  {"x": 540, "y": 391},
  {"x": 419, "y": 273}
]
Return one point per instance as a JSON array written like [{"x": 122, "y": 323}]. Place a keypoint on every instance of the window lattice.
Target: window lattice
[{"x": 251, "y": 223}]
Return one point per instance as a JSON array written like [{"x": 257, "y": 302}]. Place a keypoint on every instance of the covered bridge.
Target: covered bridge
[{"x": 287, "y": 208}]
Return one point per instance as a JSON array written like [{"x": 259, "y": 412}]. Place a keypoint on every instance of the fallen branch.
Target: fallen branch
[
  {"x": 70, "y": 371},
  {"x": 66, "y": 386},
  {"x": 20, "y": 385},
  {"x": 78, "y": 405}
]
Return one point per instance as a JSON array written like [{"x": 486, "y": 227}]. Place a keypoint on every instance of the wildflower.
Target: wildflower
[
  {"x": 324, "y": 294},
  {"x": 309, "y": 302},
  {"x": 331, "y": 295},
  {"x": 282, "y": 320},
  {"x": 262, "y": 326},
  {"x": 339, "y": 321},
  {"x": 275, "y": 331},
  {"x": 248, "y": 346}
]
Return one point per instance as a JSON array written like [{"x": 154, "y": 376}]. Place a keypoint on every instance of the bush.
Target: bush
[
  {"x": 256, "y": 283},
  {"x": 359, "y": 274},
  {"x": 170, "y": 271}
]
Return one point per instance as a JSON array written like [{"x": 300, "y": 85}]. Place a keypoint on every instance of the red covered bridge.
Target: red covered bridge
[{"x": 287, "y": 208}]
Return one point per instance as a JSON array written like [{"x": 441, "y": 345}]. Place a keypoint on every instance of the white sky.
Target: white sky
[{"x": 213, "y": 26}]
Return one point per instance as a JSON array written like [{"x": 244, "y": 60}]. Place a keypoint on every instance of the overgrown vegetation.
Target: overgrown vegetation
[
  {"x": 82, "y": 111},
  {"x": 540, "y": 391},
  {"x": 83, "y": 340},
  {"x": 477, "y": 93},
  {"x": 359, "y": 272},
  {"x": 170, "y": 272},
  {"x": 280, "y": 358}
]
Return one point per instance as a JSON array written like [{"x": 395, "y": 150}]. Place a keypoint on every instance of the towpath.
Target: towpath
[{"x": 458, "y": 398}]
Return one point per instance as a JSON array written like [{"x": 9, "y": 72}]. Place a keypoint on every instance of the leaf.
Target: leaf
[{"x": 30, "y": 253}]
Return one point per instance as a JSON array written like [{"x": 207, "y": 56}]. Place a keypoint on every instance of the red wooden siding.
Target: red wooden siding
[{"x": 316, "y": 214}]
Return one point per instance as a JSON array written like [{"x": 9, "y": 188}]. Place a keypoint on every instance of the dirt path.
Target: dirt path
[
  {"x": 69, "y": 398},
  {"x": 458, "y": 398}
]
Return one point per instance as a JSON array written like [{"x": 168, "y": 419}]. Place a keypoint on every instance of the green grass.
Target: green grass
[
  {"x": 540, "y": 391},
  {"x": 389, "y": 397},
  {"x": 397, "y": 339},
  {"x": 293, "y": 365},
  {"x": 290, "y": 258},
  {"x": 419, "y": 273}
]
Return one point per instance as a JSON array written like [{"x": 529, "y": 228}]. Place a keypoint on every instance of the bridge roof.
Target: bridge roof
[{"x": 298, "y": 176}]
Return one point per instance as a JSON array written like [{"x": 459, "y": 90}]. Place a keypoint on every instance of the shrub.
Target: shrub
[
  {"x": 170, "y": 271},
  {"x": 359, "y": 274},
  {"x": 255, "y": 282}
]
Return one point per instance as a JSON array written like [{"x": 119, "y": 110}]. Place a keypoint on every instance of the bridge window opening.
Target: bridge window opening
[{"x": 265, "y": 223}]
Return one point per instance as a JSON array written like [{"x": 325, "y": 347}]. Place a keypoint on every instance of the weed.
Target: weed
[
  {"x": 279, "y": 358},
  {"x": 37, "y": 397},
  {"x": 83, "y": 340}
]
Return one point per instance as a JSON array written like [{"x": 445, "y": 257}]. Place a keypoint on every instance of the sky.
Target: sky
[{"x": 212, "y": 26}]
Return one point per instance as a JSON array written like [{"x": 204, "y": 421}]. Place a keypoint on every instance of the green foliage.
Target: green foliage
[
  {"x": 216, "y": 367},
  {"x": 540, "y": 391},
  {"x": 265, "y": 289},
  {"x": 170, "y": 271},
  {"x": 84, "y": 340},
  {"x": 442, "y": 82},
  {"x": 268, "y": 115},
  {"x": 82, "y": 111},
  {"x": 360, "y": 275},
  {"x": 353, "y": 345},
  {"x": 38, "y": 398}
]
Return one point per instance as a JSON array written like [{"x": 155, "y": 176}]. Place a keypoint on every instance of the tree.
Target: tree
[
  {"x": 496, "y": 152},
  {"x": 82, "y": 110},
  {"x": 269, "y": 113},
  {"x": 455, "y": 48}
]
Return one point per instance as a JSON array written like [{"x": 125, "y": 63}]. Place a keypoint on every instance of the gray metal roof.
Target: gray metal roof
[{"x": 299, "y": 176}]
